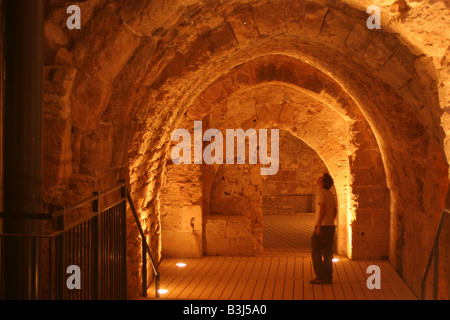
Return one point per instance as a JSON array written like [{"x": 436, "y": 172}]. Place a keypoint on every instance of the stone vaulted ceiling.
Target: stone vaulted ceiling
[{"x": 116, "y": 89}]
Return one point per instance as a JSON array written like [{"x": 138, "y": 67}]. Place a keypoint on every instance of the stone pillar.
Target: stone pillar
[
  {"x": 181, "y": 212},
  {"x": 22, "y": 133}
]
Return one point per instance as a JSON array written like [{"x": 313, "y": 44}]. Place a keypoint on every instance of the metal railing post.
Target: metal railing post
[
  {"x": 60, "y": 253},
  {"x": 144, "y": 268},
  {"x": 123, "y": 194},
  {"x": 436, "y": 268},
  {"x": 97, "y": 243},
  {"x": 434, "y": 255},
  {"x": 144, "y": 245},
  {"x": 50, "y": 266},
  {"x": 96, "y": 250},
  {"x": 157, "y": 285},
  {"x": 35, "y": 244}
]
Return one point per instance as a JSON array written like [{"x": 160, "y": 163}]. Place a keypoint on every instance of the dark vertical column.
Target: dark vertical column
[
  {"x": 22, "y": 135},
  {"x": 2, "y": 92}
]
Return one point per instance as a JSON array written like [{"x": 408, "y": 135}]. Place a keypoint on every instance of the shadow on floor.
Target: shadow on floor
[{"x": 288, "y": 234}]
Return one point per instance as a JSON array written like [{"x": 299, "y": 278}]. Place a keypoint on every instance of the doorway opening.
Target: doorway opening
[{"x": 288, "y": 198}]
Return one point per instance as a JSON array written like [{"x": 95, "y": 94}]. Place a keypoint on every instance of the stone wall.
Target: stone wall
[
  {"x": 292, "y": 190},
  {"x": 231, "y": 236},
  {"x": 240, "y": 197},
  {"x": 235, "y": 207},
  {"x": 181, "y": 209},
  {"x": 117, "y": 88}
]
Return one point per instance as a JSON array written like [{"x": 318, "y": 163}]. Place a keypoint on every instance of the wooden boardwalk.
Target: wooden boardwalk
[
  {"x": 288, "y": 233},
  {"x": 282, "y": 272},
  {"x": 283, "y": 277}
]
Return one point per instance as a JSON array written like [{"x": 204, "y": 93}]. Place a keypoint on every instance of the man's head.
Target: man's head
[{"x": 325, "y": 181}]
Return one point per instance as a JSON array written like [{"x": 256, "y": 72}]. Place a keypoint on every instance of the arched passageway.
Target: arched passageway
[
  {"x": 371, "y": 103},
  {"x": 289, "y": 198}
]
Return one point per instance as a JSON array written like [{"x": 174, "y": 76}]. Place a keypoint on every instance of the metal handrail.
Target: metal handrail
[
  {"x": 145, "y": 250},
  {"x": 434, "y": 253},
  {"x": 26, "y": 215},
  {"x": 59, "y": 215}
]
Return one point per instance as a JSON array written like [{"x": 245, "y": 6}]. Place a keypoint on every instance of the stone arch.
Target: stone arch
[
  {"x": 107, "y": 83},
  {"x": 332, "y": 135}
]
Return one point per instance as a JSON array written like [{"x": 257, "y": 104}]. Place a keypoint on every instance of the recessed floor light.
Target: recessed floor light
[
  {"x": 181, "y": 264},
  {"x": 163, "y": 291}
]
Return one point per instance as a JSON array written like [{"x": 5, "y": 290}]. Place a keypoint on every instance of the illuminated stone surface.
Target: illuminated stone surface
[{"x": 373, "y": 104}]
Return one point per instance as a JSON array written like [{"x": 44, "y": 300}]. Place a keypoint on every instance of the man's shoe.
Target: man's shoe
[
  {"x": 327, "y": 281},
  {"x": 316, "y": 281}
]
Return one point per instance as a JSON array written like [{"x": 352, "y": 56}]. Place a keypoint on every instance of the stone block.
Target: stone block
[
  {"x": 96, "y": 150},
  {"x": 295, "y": 12},
  {"x": 379, "y": 51},
  {"x": 283, "y": 175},
  {"x": 270, "y": 18},
  {"x": 378, "y": 176},
  {"x": 106, "y": 46},
  {"x": 221, "y": 39},
  {"x": 184, "y": 219},
  {"x": 269, "y": 188},
  {"x": 363, "y": 217},
  {"x": 57, "y": 136},
  {"x": 55, "y": 36},
  {"x": 216, "y": 228},
  {"x": 89, "y": 100},
  {"x": 288, "y": 188},
  {"x": 329, "y": 148},
  {"x": 241, "y": 247},
  {"x": 315, "y": 14},
  {"x": 358, "y": 40},
  {"x": 336, "y": 28},
  {"x": 183, "y": 193},
  {"x": 139, "y": 68},
  {"x": 183, "y": 172},
  {"x": 192, "y": 218},
  {"x": 318, "y": 168},
  {"x": 381, "y": 217},
  {"x": 181, "y": 244},
  {"x": 304, "y": 204},
  {"x": 414, "y": 94},
  {"x": 251, "y": 192},
  {"x": 216, "y": 246},
  {"x": 270, "y": 201},
  {"x": 370, "y": 243},
  {"x": 255, "y": 176},
  {"x": 63, "y": 57},
  {"x": 176, "y": 67},
  {"x": 120, "y": 139},
  {"x": 58, "y": 82},
  {"x": 399, "y": 69},
  {"x": 157, "y": 15},
  {"x": 238, "y": 228},
  {"x": 367, "y": 159},
  {"x": 57, "y": 170},
  {"x": 266, "y": 109},
  {"x": 287, "y": 114},
  {"x": 243, "y": 24},
  {"x": 371, "y": 197},
  {"x": 361, "y": 177},
  {"x": 313, "y": 136},
  {"x": 171, "y": 220},
  {"x": 305, "y": 161},
  {"x": 208, "y": 19}
]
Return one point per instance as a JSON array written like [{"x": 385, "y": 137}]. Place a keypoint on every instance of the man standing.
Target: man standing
[{"x": 323, "y": 236}]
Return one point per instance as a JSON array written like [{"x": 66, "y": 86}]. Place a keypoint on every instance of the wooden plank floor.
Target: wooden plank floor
[
  {"x": 282, "y": 272},
  {"x": 284, "y": 277},
  {"x": 288, "y": 233}
]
